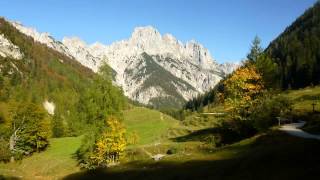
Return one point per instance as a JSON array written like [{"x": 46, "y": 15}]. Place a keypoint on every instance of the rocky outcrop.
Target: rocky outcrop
[{"x": 8, "y": 49}]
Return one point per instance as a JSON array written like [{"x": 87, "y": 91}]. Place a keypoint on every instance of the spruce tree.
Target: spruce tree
[{"x": 255, "y": 51}]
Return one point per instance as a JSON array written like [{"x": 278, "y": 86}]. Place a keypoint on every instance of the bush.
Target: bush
[
  {"x": 313, "y": 123},
  {"x": 234, "y": 130},
  {"x": 172, "y": 150},
  {"x": 84, "y": 152},
  {"x": 264, "y": 114}
]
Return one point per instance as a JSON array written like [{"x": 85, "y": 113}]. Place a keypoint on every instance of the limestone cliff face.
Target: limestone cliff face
[
  {"x": 8, "y": 49},
  {"x": 151, "y": 68}
]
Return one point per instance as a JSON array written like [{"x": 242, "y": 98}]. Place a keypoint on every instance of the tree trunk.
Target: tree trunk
[{"x": 12, "y": 144}]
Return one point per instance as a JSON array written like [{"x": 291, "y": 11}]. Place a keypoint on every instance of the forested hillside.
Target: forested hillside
[
  {"x": 45, "y": 94},
  {"x": 41, "y": 75},
  {"x": 291, "y": 61},
  {"x": 297, "y": 51}
]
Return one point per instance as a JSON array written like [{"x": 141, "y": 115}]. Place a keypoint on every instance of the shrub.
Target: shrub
[
  {"x": 233, "y": 130},
  {"x": 313, "y": 123},
  {"x": 265, "y": 113},
  {"x": 172, "y": 150}
]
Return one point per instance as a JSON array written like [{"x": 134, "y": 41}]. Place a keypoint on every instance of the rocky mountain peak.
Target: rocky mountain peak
[
  {"x": 74, "y": 41},
  {"x": 147, "y": 32},
  {"x": 150, "y": 67}
]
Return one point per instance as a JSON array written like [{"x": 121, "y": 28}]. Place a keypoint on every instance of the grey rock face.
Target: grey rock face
[{"x": 150, "y": 67}]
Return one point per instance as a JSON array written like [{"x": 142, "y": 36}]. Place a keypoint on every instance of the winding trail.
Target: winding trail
[{"x": 294, "y": 130}]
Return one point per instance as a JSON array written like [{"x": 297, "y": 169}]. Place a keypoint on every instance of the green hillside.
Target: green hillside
[
  {"x": 151, "y": 126},
  {"x": 43, "y": 74}
]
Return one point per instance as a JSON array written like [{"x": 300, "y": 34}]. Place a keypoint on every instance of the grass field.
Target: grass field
[
  {"x": 151, "y": 126},
  {"x": 54, "y": 163}
]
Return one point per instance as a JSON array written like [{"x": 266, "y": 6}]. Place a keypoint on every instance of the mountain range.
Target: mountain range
[{"x": 152, "y": 69}]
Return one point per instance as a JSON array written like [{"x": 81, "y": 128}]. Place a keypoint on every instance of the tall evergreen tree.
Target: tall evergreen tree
[{"x": 255, "y": 51}]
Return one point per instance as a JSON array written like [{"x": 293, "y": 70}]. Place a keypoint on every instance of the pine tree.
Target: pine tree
[
  {"x": 57, "y": 125},
  {"x": 255, "y": 50},
  {"x": 268, "y": 70}
]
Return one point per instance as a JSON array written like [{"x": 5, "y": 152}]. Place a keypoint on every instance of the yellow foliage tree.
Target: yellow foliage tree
[
  {"x": 243, "y": 87},
  {"x": 111, "y": 145}
]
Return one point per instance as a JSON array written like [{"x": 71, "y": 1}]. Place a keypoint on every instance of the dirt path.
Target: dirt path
[{"x": 294, "y": 129}]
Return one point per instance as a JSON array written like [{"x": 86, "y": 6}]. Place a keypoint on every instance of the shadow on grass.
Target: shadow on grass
[
  {"x": 199, "y": 135},
  {"x": 8, "y": 177},
  {"x": 272, "y": 156}
]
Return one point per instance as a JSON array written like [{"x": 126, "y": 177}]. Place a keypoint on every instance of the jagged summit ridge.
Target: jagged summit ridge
[
  {"x": 44, "y": 38},
  {"x": 148, "y": 39},
  {"x": 181, "y": 70}
]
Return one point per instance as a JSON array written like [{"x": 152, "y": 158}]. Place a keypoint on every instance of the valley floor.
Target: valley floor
[{"x": 274, "y": 155}]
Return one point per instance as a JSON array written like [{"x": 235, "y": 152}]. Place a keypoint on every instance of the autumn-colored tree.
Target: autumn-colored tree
[
  {"x": 243, "y": 87},
  {"x": 110, "y": 146}
]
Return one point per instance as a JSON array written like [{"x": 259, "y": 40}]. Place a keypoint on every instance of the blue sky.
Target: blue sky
[{"x": 225, "y": 27}]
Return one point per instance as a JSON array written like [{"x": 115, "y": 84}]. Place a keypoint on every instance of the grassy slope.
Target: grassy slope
[
  {"x": 303, "y": 98},
  {"x": 150, "y": 125},
  {"x": 56, "y": 162}
]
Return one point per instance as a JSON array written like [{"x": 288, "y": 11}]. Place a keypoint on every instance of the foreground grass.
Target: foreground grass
[
  {"x": 54, "y": 163},
  {"x": 274, "y": 155}
]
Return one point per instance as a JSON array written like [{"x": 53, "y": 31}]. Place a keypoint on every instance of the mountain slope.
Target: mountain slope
[
  {"x": 189, "y": 63},
  {"x": 32, "y": 72},
  {"x": 297, "y": 51},
  {"x": 190, "y": 66}
]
